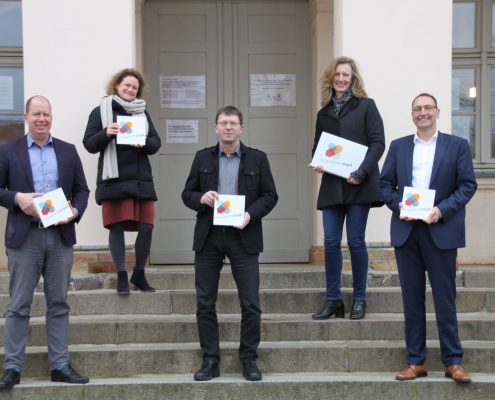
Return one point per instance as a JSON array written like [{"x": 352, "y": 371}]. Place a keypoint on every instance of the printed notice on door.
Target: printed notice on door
[
  {"x": 182, "y": 91},
  {"x": 181, "y": 131},
  {"x": 272, "y": 90}
]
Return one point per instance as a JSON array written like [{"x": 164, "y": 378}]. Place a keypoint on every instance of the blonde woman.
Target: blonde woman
[{"x": 348, "y": 112}]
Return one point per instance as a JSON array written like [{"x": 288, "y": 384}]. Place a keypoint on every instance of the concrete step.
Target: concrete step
[
  {"x": 97, "y": 260},
  {"x": 479, "y": 276},
  {"x": 126, "y": 360},
  {"x": 118, "y": 329},
  {"x": 379, "y": 300},
  {"x": 272, "y": 276},
  {"x": 321, "y": 386},
  {"x": 182, "y": 277}
]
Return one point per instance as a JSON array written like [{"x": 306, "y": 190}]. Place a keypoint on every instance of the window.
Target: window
[
  {"x": 473, "y": 78},
  {"x": 464, "y": 23},
  {"x": 11, "y": 72},
  {"x": 464, "y": 104}
]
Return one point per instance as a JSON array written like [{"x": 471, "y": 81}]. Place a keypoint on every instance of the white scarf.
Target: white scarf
[{"x": 136, "y": 108}]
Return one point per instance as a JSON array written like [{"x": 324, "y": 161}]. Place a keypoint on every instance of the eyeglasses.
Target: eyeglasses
[
  {"x": 427, "y": 108},
  {"x": 223, "y": 124}
]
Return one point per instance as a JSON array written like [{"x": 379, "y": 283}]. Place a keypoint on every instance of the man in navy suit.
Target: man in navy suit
[
  {"x": 29, "y": 167},
  {"x": 441, "y": 162}
]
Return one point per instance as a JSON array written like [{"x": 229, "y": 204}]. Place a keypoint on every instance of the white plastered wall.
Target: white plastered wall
[
  {"x": 322, "y": 27},
  {"x": 71, "y": 49}
]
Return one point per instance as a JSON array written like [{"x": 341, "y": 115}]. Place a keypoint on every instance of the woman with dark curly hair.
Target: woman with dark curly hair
[{"x": 124, "y": 185}]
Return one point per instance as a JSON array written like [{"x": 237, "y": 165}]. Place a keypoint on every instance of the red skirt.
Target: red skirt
[{"x": 129, "y": 211}]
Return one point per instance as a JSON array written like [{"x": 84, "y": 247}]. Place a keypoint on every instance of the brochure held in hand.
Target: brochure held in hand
[
  {"x": 53, "y": 207},
  {"x": 228, "y": 210},
  {"x": 338, "y": 156},
  {"x": 132, "y": 130},
  {"x": 416, "y": 202}
]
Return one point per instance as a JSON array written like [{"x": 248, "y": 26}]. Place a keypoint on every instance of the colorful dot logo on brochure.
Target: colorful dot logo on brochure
[
  {"x": 333, "y": 149},
  {"x": 46, "y": 207},
  {"x": 224, "y": 207},
  {"x": 125, "y": 127},
  {"x": 412, "y": 199}
]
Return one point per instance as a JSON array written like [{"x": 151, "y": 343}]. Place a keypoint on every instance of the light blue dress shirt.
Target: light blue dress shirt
[{"x": 43, "y": 165}]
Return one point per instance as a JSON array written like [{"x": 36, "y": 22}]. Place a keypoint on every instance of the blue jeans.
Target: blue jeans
[{"x": 356, "y": 216}]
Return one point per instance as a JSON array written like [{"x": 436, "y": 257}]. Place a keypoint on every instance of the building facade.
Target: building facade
[{"x": 265, "y": 57}]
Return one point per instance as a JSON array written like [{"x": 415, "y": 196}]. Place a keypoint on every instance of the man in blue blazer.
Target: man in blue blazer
[
  {"x": 441, "y": 162},
  {"x": 29, "y": 167}
]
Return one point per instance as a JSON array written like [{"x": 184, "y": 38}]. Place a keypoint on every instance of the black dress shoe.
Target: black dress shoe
[
  {"x": 331, "y": 307},
  {"x": 358, "y": 309},
  {"x": 209, "y": 370},
  {"x": 250, "y": 370},
  {"x": 68, "y": 375},
  {"x": 10, "y": 378}
]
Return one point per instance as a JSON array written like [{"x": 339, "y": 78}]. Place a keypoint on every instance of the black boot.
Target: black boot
[
  {"x": 122, "y": 283},
  {"x": 250, "y": 370},
  {"x": 139, "y": 280},
  {"x": 358, "y": 309},
  {"x": 331, "y": 307},
  {"x": 209, "y": 370}
]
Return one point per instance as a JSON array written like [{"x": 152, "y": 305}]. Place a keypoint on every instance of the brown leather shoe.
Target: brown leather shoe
[
  {"x": 412, "y": 372},
  {"x": 457, "y": 373}
]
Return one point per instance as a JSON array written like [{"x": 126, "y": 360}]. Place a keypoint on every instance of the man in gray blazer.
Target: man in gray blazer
[{"x": 29, "y": 167}]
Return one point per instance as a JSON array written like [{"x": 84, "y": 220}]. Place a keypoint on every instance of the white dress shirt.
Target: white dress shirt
[{"x": 424, "y": 153}]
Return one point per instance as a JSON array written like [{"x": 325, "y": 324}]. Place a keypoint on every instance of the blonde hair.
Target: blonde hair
[
  {"x": 357, "y": 83},
  {"x": 119, "y": 77}
]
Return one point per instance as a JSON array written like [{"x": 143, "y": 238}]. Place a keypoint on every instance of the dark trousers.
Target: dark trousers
[
  {"x": 417, "y": 255},
  {"x": 221, "y": 242}
]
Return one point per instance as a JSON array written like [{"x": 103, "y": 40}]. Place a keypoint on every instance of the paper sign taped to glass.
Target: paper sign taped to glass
[
  {"x": 53, "y": 207},
  {"x": 132, "y": 130},
  {"x": 417, "y": 203},
  {"x": 338, "y": 156},
  {"x": 228, "y": 210}
]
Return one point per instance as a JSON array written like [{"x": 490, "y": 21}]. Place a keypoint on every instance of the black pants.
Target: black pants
[{"x": 221, "y": 242}]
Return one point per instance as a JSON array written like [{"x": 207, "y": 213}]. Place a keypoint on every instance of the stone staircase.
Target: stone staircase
[{"x": 145, "y": 346}]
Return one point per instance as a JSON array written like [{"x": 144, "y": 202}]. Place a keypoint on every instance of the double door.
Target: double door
[{"x": 224, "y": 53}]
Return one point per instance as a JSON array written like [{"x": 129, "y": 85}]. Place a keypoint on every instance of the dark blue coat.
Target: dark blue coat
[
  {"x": 16, "y": 176},
  {"x": 452, "y": 178}
]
